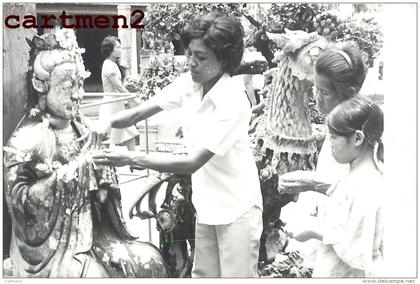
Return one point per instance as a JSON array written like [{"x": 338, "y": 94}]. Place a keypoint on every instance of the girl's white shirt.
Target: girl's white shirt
[
  {"x": 352, "y": 227},
  {"x": 311, "y": 203}
]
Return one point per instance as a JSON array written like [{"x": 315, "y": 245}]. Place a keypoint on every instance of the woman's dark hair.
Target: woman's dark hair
[
  {"x": 358, "y": 113},
  {"x": 220, "y": 33},
  {"x": 107, "y": 45},
  {"x": 344, "y": 68}
]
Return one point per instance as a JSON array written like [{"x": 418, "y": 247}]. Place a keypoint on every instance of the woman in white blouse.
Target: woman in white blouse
[{"x": 226, "y": 190}]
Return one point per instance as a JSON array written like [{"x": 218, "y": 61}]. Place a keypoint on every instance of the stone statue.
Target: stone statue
[
  {"x": 66, "y": 212},
  {"x": 283, "y": 134}
]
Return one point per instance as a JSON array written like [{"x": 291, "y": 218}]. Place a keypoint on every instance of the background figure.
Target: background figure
[
  {"x": 339, "y": 75},
  {"x": 112, "y": 81}
]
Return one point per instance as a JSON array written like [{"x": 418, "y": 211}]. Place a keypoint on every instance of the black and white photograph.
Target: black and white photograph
[{"x": 210, "y": 140}]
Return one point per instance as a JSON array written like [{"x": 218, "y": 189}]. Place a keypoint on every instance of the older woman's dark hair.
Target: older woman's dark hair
[
  {"x": 344, "y": 68},
  {"x": 107, "y": 45},
  {"x": 220, "y": 33}
]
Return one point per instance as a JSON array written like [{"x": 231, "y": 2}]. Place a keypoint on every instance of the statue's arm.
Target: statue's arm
[
  {"x": 31, "y": 200},
  {"x": 30, "y": 181}
]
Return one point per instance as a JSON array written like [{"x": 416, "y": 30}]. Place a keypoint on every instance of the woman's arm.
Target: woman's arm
[
  {"x": 100, "y": 128},
  {"x": 174, "y": 164},
  {"x": 117, "y": 84},
  {"x": 31, "y": 194},
  {"x": 300, "y": 181},
  {"x": 130, "y": 117},
  {"x": 177, "y": 164}
]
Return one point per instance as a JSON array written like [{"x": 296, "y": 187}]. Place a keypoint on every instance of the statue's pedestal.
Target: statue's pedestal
[{"x": 7, "y": 268}]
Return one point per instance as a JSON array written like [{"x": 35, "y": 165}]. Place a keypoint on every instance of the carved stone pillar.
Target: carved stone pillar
[
  {"x": 125, "y": 36},
  {"x": 15, "y": 67},
  {"x": 15, "y": 90},
  {"x": 134, "y": 63}
]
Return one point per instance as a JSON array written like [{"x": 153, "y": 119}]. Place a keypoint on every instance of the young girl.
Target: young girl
[{"x": 350, "y": 228}]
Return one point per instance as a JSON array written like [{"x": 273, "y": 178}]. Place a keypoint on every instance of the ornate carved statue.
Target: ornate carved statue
[
  {"x": 283, "y": 134},
  {"x": 175, "y": 219},
  {"x": 65, "y": 211}
]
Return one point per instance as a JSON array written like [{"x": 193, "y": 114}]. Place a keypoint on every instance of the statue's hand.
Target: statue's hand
[
  {"x": 45, "y": 168},
  {"x": 70, "y": 171},
  {"x": 98, "y": 130}
]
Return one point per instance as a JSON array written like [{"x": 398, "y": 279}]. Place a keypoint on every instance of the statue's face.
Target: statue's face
[{"x": 65, "y": 92}]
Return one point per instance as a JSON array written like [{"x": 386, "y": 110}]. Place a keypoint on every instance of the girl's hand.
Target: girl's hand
[
  {"x": 303, "y": 230},
  {"x": 300, "y": 234},
  {"x": 113, "y": 157}
]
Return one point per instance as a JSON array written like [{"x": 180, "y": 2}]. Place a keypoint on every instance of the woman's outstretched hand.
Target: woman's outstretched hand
[
  {"x": 300, "y": 181},
  {"x": 113, "y": 157}
]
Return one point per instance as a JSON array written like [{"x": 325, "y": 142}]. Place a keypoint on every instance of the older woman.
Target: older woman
[
  {"x": 112, "y": 83},
  {"x": 226, "y": 191},
  {"x": 339, "y": 75}
]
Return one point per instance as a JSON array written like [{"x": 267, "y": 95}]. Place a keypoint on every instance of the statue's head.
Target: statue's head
[{"x": 56, "y": 74}]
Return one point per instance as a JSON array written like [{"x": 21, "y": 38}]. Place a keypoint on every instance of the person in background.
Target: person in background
[
  {"x": 225, "y": 186},
  {"x": 112, "y": 80},
  {"x": 351, "y": 229}
]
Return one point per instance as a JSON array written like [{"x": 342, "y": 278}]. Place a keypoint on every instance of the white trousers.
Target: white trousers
[{"x": 228, "y": 250}]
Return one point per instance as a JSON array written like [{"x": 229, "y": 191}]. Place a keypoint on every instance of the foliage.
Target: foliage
[
  {"x": 361, "y": 28},
  {"x": 287, "y": 265},
  {"x": 293, "y": 16},
  {"x": 367, "y": 32},
  {"x": 276, "y": 19},
  {"x": 133, "y": 83},
  {"x": 328, "y": 24},
  {"x": 160, "y": 72},
  {"x": 164, "y": 22}
]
